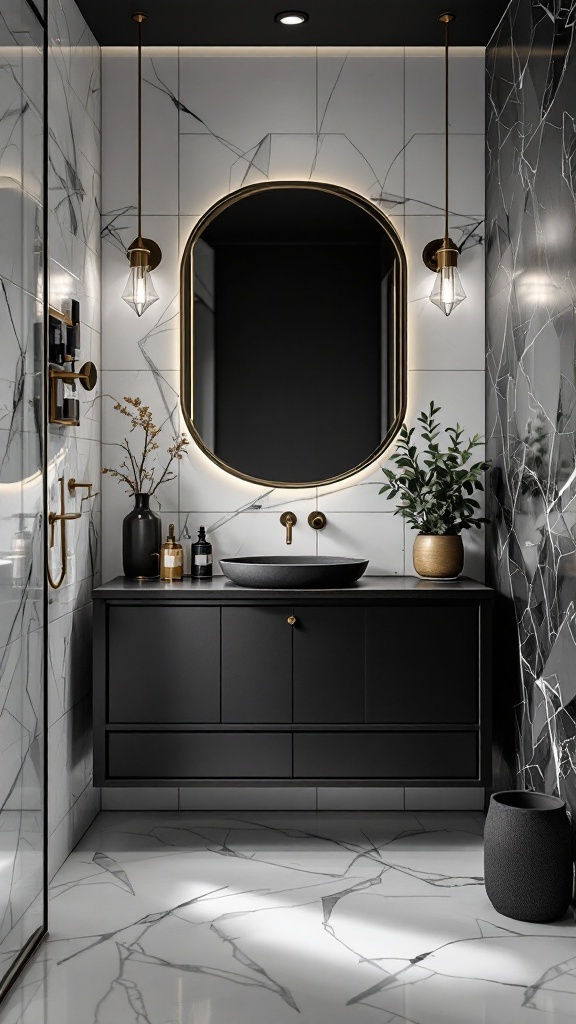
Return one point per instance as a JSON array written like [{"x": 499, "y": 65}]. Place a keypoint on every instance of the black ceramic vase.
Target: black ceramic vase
[
  {"x": 141, "y": 541},
  {"x": 528, "y": 868}
]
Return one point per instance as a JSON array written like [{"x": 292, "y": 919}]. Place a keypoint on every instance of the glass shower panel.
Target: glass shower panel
[{"x": 22, "y": 727}]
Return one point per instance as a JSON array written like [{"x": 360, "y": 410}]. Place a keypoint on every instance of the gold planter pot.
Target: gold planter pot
[{"x": 438, "y": 557}]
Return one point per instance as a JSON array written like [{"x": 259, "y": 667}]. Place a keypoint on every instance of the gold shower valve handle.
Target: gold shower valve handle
[
  {"x": 288, "y": 519},
  {"x": 73, "y": 486},
  {"x": 317, "y": 520},
  {"x": 55, "y": 517}
]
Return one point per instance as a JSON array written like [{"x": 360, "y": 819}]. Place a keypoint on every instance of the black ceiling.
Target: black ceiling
[{"x": 332, "y": 22}]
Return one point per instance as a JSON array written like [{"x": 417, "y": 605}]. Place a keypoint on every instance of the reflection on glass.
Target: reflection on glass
[{"x": 22, "y": 823}]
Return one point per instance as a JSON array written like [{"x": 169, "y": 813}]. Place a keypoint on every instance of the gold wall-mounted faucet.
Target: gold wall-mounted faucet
[{"x": 288, "y": 519}]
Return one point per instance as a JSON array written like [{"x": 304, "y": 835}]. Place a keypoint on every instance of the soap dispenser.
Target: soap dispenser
[
  {"x": 171, "y": 558},
  {"x": 201, "y": 557}
]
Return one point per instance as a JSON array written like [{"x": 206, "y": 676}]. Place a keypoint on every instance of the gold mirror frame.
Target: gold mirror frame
[{"x": 398, "y": 361}]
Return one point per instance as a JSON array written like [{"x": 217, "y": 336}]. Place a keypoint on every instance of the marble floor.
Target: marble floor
[{"x": 162, "y": 918}]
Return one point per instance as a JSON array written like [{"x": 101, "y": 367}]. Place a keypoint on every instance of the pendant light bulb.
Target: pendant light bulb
[
  {"x": 447, "y": 292},
  {"x": 139, "y": 292}
]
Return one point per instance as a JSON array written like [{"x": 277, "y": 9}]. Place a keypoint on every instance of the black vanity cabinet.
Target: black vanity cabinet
[{"x": 204, "y": 682}]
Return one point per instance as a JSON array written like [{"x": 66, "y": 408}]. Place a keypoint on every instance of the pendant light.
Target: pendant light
[
  {"x": 143, "y": 253},
  {"x": 441, "y": 255}
]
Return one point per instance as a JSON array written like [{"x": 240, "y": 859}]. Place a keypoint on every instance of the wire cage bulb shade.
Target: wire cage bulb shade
[
  {"x": 447, "y": 292},
  {"x": 139, "y": 292}
]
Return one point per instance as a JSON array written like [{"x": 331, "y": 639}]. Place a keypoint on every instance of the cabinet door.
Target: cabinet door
[
  {"x": 163, "y": 664},
  {"x": 329, "y": 665},
  {"x": 256, "y": 665},
  {"x": 422, "y": 664}
]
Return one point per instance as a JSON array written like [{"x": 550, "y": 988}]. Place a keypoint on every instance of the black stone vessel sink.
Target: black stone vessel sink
[{"x": 288, "y": 572}]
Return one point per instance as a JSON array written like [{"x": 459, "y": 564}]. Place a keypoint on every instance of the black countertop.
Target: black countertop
[{"x": 222, "y": 589}]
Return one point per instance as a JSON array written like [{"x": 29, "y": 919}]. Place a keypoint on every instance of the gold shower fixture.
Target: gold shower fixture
[
  {"x": 144, "y": 254},
  {"x": 441, "y": 255}
]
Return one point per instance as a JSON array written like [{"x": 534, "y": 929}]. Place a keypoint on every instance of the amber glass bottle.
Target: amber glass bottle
[{"x": 171, "y": 558}]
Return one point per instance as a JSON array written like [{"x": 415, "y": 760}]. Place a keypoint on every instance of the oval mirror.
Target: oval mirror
[{"x": 293, "y": 333}]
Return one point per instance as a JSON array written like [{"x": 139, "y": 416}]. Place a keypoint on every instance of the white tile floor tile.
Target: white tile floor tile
[{"x": 329, "y": 918}]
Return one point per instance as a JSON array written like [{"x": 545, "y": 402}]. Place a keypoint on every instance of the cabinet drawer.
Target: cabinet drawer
[
  {"x": 189, "y": 755},
  {"x": 393, "y": 755}
]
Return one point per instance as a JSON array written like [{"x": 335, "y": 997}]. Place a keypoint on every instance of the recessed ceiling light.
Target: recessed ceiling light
[{"x": 291, "y": 17}]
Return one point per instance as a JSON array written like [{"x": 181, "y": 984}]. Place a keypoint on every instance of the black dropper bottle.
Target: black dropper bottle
[{"x": 201, "y": 557}]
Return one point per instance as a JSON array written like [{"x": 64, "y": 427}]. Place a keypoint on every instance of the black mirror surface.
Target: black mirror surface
[{"x": 293, "y": 333}]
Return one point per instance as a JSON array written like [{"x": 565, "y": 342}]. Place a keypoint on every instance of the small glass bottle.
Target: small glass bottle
[
  {"x": 70, "y": 402},
  {"x": 201, "y": 557},
  {"x": 171, "y": 558}
]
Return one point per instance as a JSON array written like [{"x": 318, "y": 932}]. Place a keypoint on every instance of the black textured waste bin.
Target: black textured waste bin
[{"x": 528, "y": 863}]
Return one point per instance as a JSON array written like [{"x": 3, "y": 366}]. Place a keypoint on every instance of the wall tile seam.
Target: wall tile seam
[
  {"x": 93, "y": 198},
  {"x": 24, "y": 291},
  {"x": 69, "y": 812},
  {"x": 53, "y": 870},
  {"x": 271, "y": 512},
  {"x": 65, "y": 80},
  {"x": 85, "y": 698},
  {"x": 77, "y": 608},
  {"x": 93, "y": 252},
  {"x": 18, "y": 639}
]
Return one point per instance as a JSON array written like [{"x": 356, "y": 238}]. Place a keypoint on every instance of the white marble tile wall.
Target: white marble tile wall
[
  {"x": 215, "y": 119},
  {"x": 74, "y": 252}
]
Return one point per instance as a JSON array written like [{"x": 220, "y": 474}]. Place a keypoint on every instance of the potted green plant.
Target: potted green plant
[{"x": 435, "y": 490}]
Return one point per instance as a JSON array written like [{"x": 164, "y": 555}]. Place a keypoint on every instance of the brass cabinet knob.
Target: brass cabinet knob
[{"x": 291, "y": 620}]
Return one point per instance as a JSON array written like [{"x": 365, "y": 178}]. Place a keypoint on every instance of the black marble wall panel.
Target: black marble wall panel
[{"x": 531, "y": 323}]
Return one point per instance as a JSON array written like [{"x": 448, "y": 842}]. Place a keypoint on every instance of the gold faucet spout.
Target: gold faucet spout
[{"x": 288, "y": 519}]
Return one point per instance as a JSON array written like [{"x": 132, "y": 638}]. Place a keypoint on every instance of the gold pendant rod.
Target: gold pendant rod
[
  {"x": 446, "y": 19},
  {"x": 446, "y": 98},
  {"x": 139, "y": 18},
  {"x": 140, "y": 130}
]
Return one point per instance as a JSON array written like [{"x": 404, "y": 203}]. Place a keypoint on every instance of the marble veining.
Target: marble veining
[
  {"x": 531, "y": 224},
  {"x": 21, "y": 453},
  {"x": 357, "y": 117},
  {"x": 74, "y": 146},
  {"x": 282, "y": 917}
]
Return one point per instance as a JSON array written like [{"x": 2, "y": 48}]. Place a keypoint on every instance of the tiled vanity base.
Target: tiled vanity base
[{"x": 306, "y": 798}]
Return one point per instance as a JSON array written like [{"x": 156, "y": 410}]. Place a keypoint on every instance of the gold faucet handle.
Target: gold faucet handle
[
  {"x": 317, "y": 520},
  {"x": 73, "y": 486},
  {"x": 288, "y": 519},
  {"x": 55, "y": 517}
]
